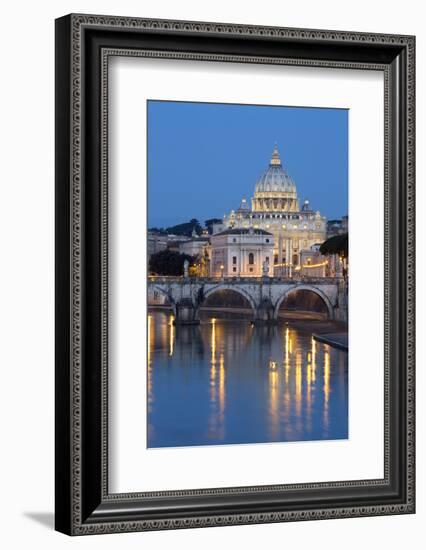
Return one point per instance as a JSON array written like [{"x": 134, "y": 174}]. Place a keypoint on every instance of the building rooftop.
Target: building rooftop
[
  {"x": 243, "y": 231},
  {"x": 198, "y": 239}
]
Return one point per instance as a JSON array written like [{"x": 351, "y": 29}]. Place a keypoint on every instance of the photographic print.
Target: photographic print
[
  {"x": 206, "y": 176},
  {"x": 248, "y": 273}
]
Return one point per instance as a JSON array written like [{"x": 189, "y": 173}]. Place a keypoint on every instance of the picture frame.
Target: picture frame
[{"x": 84, "y": 504}]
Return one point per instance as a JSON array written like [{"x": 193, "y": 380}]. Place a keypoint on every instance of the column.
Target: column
[
  {"x": 290, "y": 256},
  {"x": 280, "y": 248},
  {"x": 287, "y": 244}
]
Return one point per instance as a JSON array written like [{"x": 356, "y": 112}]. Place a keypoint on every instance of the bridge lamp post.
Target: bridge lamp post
[{"x": 222, "y": 267}]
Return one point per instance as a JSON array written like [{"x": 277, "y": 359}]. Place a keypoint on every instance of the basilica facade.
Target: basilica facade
[{"x": 275, "y": 209}]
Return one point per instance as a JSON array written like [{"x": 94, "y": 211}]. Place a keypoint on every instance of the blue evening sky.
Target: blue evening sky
[{"x": 203, "y": 158}]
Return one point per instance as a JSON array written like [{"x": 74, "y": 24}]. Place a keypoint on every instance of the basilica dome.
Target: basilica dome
[{"x": 275, "y": 178}]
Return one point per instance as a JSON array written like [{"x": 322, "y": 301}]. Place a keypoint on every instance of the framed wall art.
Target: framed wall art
[{"x": 234, "y": 274}]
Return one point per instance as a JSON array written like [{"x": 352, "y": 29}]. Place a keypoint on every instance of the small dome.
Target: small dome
[
  {"x": 244, "y": 206},
  {"x": 275, "y": 178},
  {"x": 306, "y": 207}
]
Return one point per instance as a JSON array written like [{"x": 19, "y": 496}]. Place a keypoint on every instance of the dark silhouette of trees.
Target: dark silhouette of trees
[
  {"x": 168, "y": 262},
  {"x": 185, "y": 229},
  {"x": 336, "y": 245}
]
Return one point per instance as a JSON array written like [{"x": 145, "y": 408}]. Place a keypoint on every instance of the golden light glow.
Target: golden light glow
[
  {"x": 212, "y": 383},
  {"x": 213, "y": 342},
  {"x": 286, "y": 354},
  {"x": 326, "y": 376},
  {"x": 217, "y": 397},
  {"x": 308, "y": 380},
  {"x": 213, "y": 363},
  {"x": 313, "y": 357},
  {"x": 286, "y": 344},
  {"x": 222, "y": 386},
  {"x": 308, "y": 373},
  {"x": 164, "y": 335},
  {"x": 326, "y": 387},
  {"x": 171, "y": 335},
  {"x": 151, "y": 343},
  {"x": 298, "y": 383},
  {"x": 314, "y": 265}
]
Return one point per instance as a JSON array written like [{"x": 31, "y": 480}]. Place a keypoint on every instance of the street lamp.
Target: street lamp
[{"x": 222, "y": 267}]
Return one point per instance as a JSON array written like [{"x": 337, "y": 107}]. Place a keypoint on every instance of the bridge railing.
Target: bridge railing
[{"x": 239, "y": 280}]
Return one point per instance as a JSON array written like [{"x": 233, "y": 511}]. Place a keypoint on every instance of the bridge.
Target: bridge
[{"x": 264, "y": 294}]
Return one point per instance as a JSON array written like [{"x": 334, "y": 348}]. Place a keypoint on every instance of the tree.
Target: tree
[
  {"x": 336, "y": 245},
  {"x": 168, "y": 262},
  {"x": 185, "y": 229}
]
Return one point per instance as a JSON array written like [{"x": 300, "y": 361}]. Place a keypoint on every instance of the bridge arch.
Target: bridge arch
[
  {"x": 309, "y": 288},
  {"x": 232, "y": 288}
]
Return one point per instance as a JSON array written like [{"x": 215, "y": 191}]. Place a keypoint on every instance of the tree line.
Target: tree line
[{"x": 186, "y": 229}]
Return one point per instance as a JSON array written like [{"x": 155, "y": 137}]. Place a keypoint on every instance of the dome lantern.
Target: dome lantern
[{"x": 275, "y": 159}]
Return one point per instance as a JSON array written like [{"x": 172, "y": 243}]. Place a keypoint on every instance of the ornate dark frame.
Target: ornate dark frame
[{"x": 83, "y": 46}]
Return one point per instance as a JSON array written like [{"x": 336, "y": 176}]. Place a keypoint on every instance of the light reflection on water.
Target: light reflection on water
[{"x": 225, "y": 382}]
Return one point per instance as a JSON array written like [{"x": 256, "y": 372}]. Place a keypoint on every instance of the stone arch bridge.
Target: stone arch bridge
[{"x": 264, "y": 294}]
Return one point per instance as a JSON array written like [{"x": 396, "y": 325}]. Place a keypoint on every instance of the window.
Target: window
[
  {"x": 251, "y": 270},
  {"x": 234, "y": 240},
  {"x": 267, "y": 240},
  {"x": 234, "y": 260},
  {"x": 234, "y": 269},
  {"x": 267, "y": 259},
  {"x": 251, "y": 258},
  {"x": 275, "y": 258}
]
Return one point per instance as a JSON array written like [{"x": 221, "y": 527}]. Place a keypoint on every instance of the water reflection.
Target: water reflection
[{"x": 225, "y": 381}]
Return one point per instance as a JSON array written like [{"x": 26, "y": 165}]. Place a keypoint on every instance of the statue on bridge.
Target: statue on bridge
[
  {"x": 265, "y": 268},
  {"x": 186, "y": 269}
]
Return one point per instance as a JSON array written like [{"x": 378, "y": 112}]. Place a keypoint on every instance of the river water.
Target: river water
[{"x": 226, "y": 381}]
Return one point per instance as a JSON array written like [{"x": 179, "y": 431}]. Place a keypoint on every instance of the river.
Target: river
[{"x": 226, "y": 382}]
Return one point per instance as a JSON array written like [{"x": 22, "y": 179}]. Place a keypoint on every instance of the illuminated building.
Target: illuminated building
[
  {"x": 241, "y": 252},
  {"x": 275, "y": 209}
]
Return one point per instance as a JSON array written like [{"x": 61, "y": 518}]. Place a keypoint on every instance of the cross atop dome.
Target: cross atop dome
[{"x": 275, "y": 159}]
